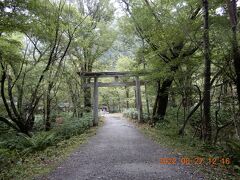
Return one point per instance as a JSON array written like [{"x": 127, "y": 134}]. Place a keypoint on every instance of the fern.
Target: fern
[
  {"x": 233, "y": 151},
  {"x": 36, "y": 143}
]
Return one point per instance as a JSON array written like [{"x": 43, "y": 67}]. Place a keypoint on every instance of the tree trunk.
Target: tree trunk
[
  {"x": 207, "y": 77},
  {"x": 48, "y": 107},
  {"x": 20, "y": 99},
  {"x": 163, "y": 99},
  {"x": 87, "y": 96},
  {"x": 147, "y": 101},
  {"x": 87, "y": 91},
  {"x": 30, "y": 120},
  {"x": 156, "y": 100},
  {"x": 232, "y": 9},
  {"x": 17, "y": 121},
  {"x": 161, "y": 102},
  {"x": 74, "y": 97}
]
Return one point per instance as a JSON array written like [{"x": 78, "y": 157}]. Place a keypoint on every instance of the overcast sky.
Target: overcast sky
[{"x": 119, "y": 12}]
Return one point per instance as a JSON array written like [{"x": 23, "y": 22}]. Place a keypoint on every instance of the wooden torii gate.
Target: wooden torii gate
[{"x": 116, "y": 75}]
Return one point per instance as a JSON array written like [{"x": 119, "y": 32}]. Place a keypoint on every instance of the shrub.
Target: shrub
[
  {"x": 146, "y": 117},
  {"x": 3, "y": 128},
  {"x": 38, "y": 142},
  {"x": 232, "y": 149},
  {"x": 41, "y": 140},
  {"x": 72, "y": 127},
  {"x": 130, "y": 113},
  {"x": 38, "y": 123},
  {"x": 24, "y": 144},
  {"x": 6, "y": 157}
]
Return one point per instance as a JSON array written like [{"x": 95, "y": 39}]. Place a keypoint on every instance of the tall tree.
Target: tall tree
[
  {"x": 232, "y": 10},
  {"x": 49, "y": 39},
  {"x": 233, "y": 16},
  {"x": 207, "y": 75},
  {"x": 95, "y": 40},
  {"x": 167, "y": 47}
]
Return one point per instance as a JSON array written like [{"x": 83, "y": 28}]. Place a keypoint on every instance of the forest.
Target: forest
[{"x": 185, "y": 51}]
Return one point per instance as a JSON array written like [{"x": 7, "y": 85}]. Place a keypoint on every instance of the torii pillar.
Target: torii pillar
[
  {"x": 95, "y": 102},
  {"x": 139, "y": 99}
]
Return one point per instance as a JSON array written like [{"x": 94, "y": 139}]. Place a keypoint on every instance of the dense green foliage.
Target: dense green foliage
[
  {"x": 187, "y": 49},
  {"x": 16, "y": 165},
  {"x": 14, "y": 146}
]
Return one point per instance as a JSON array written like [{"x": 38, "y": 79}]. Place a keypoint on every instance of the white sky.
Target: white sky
[{"x": 118, "y": 12}]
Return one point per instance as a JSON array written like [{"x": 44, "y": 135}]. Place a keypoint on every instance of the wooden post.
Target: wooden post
[
  {"x": 95, "y": 102},
  {"x": 138, "y": 99}
]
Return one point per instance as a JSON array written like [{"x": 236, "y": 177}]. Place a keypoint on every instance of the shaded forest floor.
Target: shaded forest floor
[
  {"x": 123, "y": 136},
  {"x": 190, "y": 149},
  {"x": 43, "y": 162}
]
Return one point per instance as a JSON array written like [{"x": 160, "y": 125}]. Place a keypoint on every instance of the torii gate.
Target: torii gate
[{"x": 96, "y": 85}]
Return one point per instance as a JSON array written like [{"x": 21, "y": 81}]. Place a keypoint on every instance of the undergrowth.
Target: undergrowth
[
  {"x": 41, "y": 152},
  {"x": 189, "y": 145}
]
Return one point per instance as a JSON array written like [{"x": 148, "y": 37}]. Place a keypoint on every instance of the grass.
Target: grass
[
  {"x": 188, "y": 147},
  {"x": 43, "y": 162}
]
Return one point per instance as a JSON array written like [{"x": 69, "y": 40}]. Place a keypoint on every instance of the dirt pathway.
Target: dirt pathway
[{"x": 120, "y": 152}]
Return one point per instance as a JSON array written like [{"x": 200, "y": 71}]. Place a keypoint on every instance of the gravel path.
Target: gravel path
[{"x": 120, "y": 152}]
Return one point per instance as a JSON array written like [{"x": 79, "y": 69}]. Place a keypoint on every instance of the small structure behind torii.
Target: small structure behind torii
[{"x": 116, "y": 75}]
